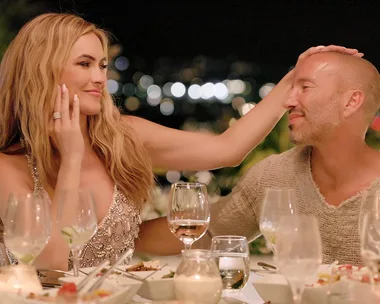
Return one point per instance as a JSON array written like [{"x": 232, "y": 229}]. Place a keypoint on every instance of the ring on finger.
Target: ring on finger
[{"x": 57, "y": 115}]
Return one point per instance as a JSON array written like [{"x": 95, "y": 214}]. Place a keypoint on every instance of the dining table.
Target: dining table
[{"x": 247, "y": 295}]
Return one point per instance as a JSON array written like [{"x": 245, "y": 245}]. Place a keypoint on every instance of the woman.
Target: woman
[{"x": 59, "y": 129}]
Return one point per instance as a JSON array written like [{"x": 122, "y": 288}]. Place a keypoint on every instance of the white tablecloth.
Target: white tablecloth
[{"x": 247, "y": 295}]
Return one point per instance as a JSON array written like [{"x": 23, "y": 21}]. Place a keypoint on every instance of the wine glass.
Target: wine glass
[
  {"x": 278, "y": 202},
  {"x": 298, "y": 251},
  {"x": 27, "y": 225},
  {"x": 370, "y": 247},
  {"x": 76, "y": 220},
  {"x": 370, "y": 202},
  {"x": 189, "y": 212},
  {"x": 232, "y": 257}
]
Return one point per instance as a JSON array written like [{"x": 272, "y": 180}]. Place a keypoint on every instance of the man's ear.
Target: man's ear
[{"x": 353, "y": 101}]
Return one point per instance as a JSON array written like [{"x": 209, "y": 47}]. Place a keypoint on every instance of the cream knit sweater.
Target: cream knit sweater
[{"x": 239, "y": 212}]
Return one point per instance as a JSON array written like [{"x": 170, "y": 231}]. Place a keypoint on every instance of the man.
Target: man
[{"x": 332, "y": 102}]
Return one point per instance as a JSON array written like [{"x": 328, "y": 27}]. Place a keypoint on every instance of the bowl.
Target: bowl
[{"x": 155, "y": 287}]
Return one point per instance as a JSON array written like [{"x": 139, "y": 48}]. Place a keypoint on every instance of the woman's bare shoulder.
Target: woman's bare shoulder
[{"x": 14, "y": 166}]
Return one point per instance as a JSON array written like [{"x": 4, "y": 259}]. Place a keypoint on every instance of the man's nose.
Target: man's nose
[{"x": 291, "y": 101}]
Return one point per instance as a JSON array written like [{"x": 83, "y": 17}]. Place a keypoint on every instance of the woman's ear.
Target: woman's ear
[{"x": 353, "y": 101}]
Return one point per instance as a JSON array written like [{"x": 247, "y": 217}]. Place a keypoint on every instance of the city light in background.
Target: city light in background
[{"x": 187, "y": 87}]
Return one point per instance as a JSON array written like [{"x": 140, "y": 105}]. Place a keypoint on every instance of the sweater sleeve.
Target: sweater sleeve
[{"x": 238, "y": 213}]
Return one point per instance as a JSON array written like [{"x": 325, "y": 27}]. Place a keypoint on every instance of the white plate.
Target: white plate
[
  {"x": 123, "y": 289},
  {"x": 154, "y": 288},
  {"x": 274, "y": 288},
  {"x": 120, "y": 294}
]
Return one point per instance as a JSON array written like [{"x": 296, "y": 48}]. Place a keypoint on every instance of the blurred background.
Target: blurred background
[{"x": 201, "y": 65}]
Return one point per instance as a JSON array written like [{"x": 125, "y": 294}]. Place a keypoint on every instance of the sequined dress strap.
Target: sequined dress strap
[{"x": 38, "y": 188}]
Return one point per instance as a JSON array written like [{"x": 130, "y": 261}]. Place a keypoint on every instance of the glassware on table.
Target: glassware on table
[
  {"x": 278, "y": 202},
  {"x": 76, "y": 220},
  {"x": 27, "y": 225},
  {"x": 197, "y": 278},
  {"x": 370, "y": 202},
  {"x": 189, "y": 212},
  {"x": 298, "y": 252},
  {"x": 232, "y": 257},
  {"x": 370, "y": 247},
  {"x": 21, "y": 278}
]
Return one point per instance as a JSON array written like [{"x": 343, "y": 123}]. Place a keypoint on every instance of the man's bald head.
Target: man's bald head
[{"x": 353, "y": 73}]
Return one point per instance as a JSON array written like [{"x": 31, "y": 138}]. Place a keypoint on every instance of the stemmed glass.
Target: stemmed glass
[
  {"x": 298, "y": 251},
  {"x": 278, "y": 202},
  {"x": 27, "y": 225},
  {"x": 76, "y": 220},
  {"x": 370, "y": 247},
  {"x": 189, "y": 212},
  {"x": 370, "y": 202}
]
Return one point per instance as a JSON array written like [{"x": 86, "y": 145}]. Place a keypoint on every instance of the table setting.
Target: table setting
[{"x": 224, "y": 273}]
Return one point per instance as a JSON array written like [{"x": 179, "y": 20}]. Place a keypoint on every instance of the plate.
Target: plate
[
  {"x": 120, "y": 294},
  {"x": 274, "y": 288},
  {"x": 154, "y": 288},
  {"x": 123, "y": 288}
]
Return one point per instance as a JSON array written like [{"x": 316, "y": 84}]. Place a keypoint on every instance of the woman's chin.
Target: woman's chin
[{"x": 90, "y": 111}]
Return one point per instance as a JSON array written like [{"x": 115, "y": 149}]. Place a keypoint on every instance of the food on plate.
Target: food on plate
[
  {"x": 342, "y": 272},
  {"x": 145, "y": 266},
  {"x": 169, "y": 275},
  {"x": 68, "y": 291}
]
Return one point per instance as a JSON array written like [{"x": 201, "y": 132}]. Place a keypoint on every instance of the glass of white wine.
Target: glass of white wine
[
  {"x": 278, "y": 202},
  {"x": 232, "y": 257},
  {"x": 27, "y": 225},
  {"x": 76, "y": 220},
  {"x": 189, "y": 212}
]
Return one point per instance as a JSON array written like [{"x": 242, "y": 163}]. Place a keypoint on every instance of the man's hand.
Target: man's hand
[{"x": 331, "y": 48}]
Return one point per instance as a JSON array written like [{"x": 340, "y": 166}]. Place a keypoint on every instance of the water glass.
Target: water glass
[{"x": 232, "y": 257}]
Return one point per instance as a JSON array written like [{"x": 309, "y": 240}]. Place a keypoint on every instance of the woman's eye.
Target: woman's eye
[{"x": 84, "y": 64}]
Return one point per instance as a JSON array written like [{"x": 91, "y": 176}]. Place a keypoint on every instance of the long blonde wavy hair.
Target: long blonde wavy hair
[{"x": 29, "y": 74}]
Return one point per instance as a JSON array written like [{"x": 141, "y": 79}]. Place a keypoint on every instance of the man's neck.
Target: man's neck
[{"x": 337, "y": 162}]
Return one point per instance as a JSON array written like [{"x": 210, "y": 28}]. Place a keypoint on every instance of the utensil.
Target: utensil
[
  {"x": 100, "y": 281},
  {"x": 136, "y": 277},
  {"x": 91, "y": 275},
  {"x": 267, "y": 266}
]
